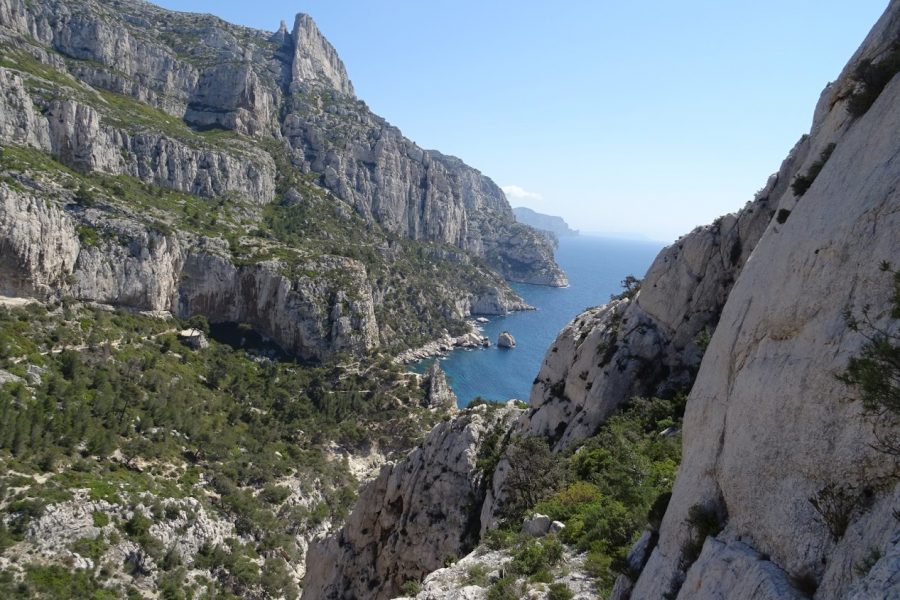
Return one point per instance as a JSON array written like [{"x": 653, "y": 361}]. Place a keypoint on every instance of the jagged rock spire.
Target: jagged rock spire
[{"x": 315, "y": 59}]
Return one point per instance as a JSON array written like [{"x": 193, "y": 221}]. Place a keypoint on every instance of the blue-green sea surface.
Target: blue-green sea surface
[{"x": 595, "y": 266}]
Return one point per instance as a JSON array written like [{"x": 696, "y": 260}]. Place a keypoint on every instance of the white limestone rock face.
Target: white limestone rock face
[
  {"x": 736, "y": 571},
  {"x": 768, "y": 426},
  {"x": 311, "y": 316},
  {"x": 81, "y": 139},
  {"x": 315, "y": 59},
  {"x": 439, "y": 392},
  {"x": 216, "y": 86},
  {"x": 883, "y": 579},
  {"x": 19, "y": 122},
  {"x": 38, "y": 245},
  {"x": 420, "y": 194},
  {"x": 649, "y": 343},
  {"x": 408, "y": 520}
]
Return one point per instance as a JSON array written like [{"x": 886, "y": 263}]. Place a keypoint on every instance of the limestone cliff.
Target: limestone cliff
[
  {"x": 768, "y": 426},
  {"x": 413, "y": 516},
  {"x": 329, "y": 309},
  {"x": 649, "y": 342},
  {"x": 204, "y": 74},
  {"x": 265, "y": 130}
]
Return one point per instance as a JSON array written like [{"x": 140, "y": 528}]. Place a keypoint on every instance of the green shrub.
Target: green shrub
[
  {"x": 559, "y": 591},
  {"x": 537, "y": 556},
  {"x": 92, "y": 548},
  {"x": 502, "y": 538},
  {"x": 87, "y": 235},
  {"x": 872, "y": 78},
  {"x": 802, "y": 183},
  {"x": 506, "y": 588},
  {"x": 875, "y": 371},
  {"x": 704, "y": 521},
  {"x": 411, "y": 588},
  {"x": 836, "y": 505},
  {"x": 85, "y": 196},
  {"x": 58, "y": 582},
  {"x": 534, "y": 473},
  {"x": 477, "y": 575},
  {"x": 275, "y": 494}
]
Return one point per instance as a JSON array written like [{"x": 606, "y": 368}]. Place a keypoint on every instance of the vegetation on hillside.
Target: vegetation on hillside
[
  {"x": 606, "y": 492},
  {"x": 114, "y": 404}
]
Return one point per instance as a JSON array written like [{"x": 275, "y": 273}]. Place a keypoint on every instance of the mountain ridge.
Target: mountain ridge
[
  {"x": 554, "y": 224},
  {"x": 266, "y": 124}
]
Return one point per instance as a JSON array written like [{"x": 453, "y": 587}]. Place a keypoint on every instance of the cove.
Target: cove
[{"x": 595, "y": 266}]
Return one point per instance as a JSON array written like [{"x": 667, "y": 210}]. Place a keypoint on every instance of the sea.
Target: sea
[{"x": 595, "y": 266}]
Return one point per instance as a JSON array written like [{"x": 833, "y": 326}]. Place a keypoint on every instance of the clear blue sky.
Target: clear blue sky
[{"x": 645, "y": 117}]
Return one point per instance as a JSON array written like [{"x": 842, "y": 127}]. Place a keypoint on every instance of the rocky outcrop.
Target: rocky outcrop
[
  {"x": 457, "y": 582},
  {"x": 439, "y": 394},
  {"x": 315, "y": 59},
  {"x": 20, "y": 123},
  {"x": 413, "y": 516},
  {"x": 38, "y": 245},
  {"x": 650, "y": 342},
  {"x": 214, "y": 75},
  {"x": 420, "y": 194},
  {"x": 506, "y": 340},
  {"x": 766, "y": 412},
  {"x": 190, "y": 528},
  {"x": 326, "y": 311},
  {"x": 442, "y": 347},
  {"x": 329, "y": 309},
  {"x": 207, "y": 71},
  {"x": 79, "y": 136}
]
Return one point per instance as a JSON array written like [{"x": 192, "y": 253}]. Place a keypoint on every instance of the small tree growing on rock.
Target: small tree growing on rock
[
  {"x": 875, "y": 372},
  {"x": 534, "y": 474}
]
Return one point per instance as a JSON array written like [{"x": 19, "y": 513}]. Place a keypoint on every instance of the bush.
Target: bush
[
  {"x": 559, "y": 591},
  {"x": 704, "y": 521},
  {"x": 871, "y": 80},
  {"x": 85, "y": 196},
  {"x": 875, "y": 372},
  {"x": 802, "y": 183},
  {"x": 477, "y": 575},
  {"x": 835, "y": 505},
  {"x": 100, "y": 519},
  {"x": 537, "y": 556},
  {"x": 506, "y": 588},
  {"x": 534, "y": 474},
  {"x": 411, "y": 588}
]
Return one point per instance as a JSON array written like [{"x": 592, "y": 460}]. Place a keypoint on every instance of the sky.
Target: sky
[{"x": 636, "y": 118}]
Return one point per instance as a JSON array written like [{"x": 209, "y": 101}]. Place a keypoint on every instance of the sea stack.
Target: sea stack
[{"x": 506, "y": 340}]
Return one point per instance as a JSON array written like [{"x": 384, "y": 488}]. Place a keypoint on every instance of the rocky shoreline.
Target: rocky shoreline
[{"x": 444, "y": 345}]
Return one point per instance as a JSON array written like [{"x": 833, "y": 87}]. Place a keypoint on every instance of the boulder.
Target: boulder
[
  {"x": 193, "y": 338},
  {"x": 506, "y": 340},
  {"x": 7, "y": 377},
  {"x": 537, "y": 525}
]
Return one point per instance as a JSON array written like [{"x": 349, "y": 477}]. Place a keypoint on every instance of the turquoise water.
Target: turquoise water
[{"x": 595, "y": 267}]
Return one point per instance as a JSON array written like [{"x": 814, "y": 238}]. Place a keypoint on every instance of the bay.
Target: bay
[{"x": 595, "y": 266}]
